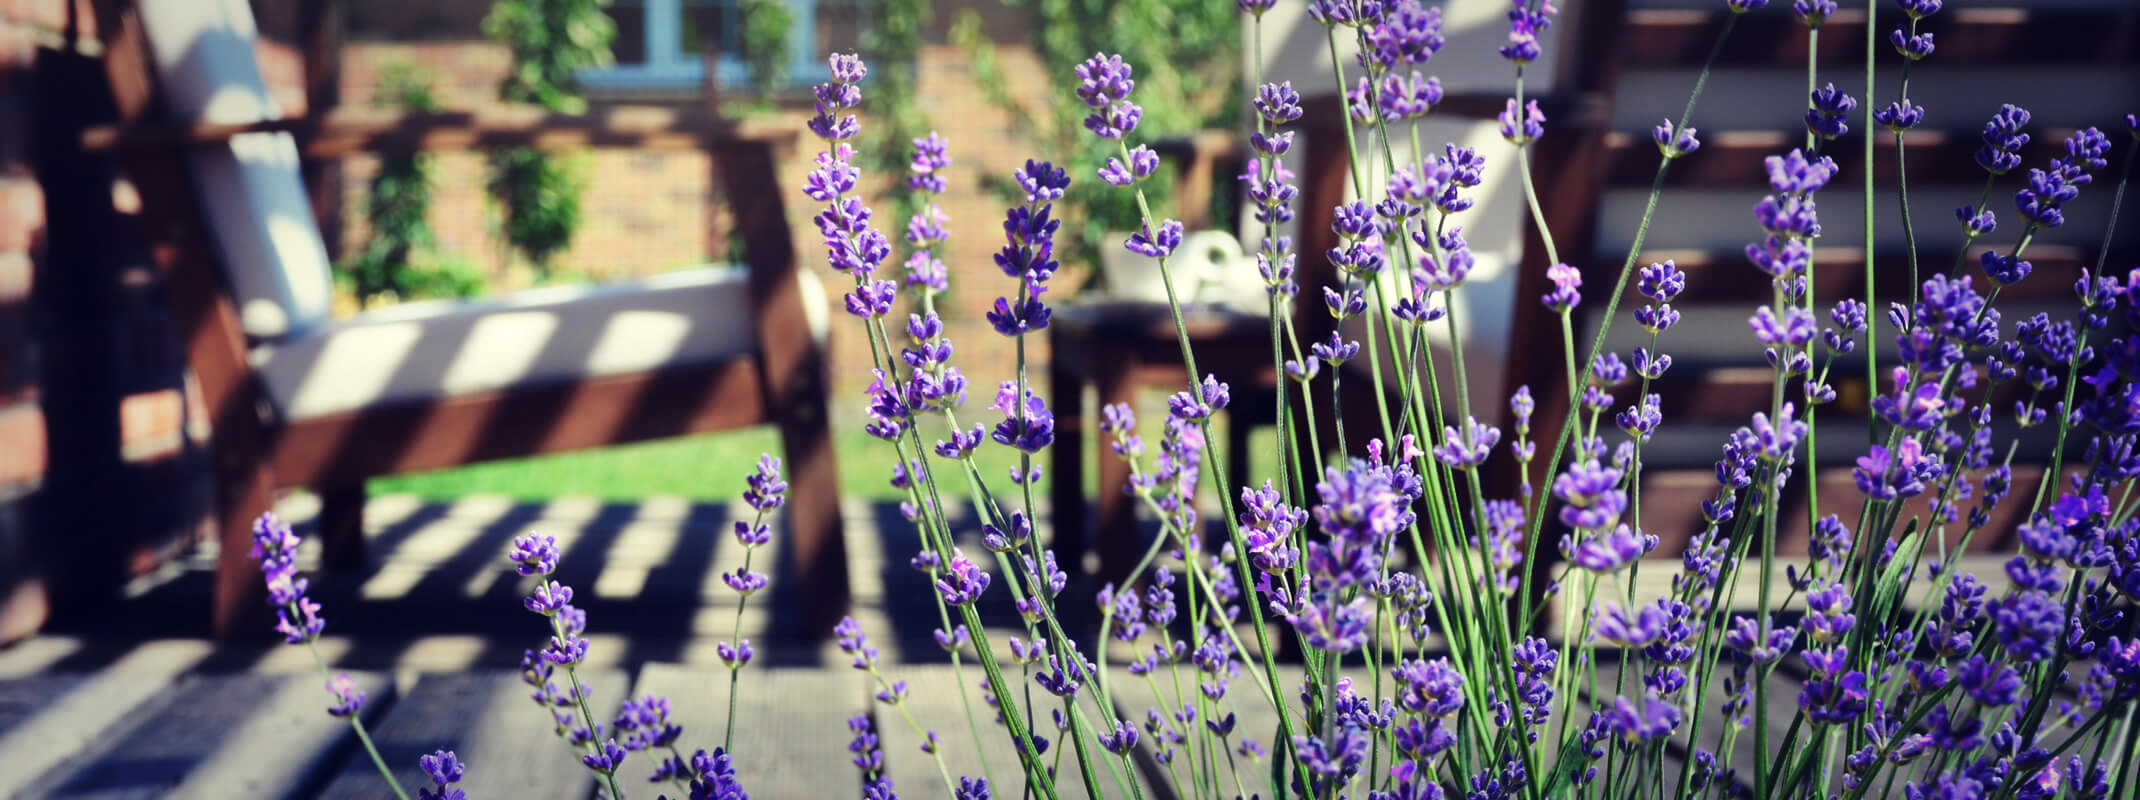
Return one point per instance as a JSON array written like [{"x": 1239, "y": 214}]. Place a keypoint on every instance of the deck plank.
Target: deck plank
[
  {"x": 47, "y": 719},
  {"x": 218, "y": 736},
  {"x": 933, "y": 700},
  {"x": 487, "y": 719},
  {"x": 791, "y": 724}
]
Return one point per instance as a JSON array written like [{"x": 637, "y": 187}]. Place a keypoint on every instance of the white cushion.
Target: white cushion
[
  {"x": 431, "y": 350},
  {"x": 258, "y": 214}
]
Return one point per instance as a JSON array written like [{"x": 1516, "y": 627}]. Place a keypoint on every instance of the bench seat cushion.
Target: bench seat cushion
[{"x": 419, "y": 352}]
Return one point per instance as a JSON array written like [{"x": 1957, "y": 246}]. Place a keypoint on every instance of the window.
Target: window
[{"x": 660, "y": 43}]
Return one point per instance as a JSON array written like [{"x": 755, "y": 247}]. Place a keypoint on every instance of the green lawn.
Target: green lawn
[
  {"x": 711, "y": 467},
  {"x": 708, "y": 467}
]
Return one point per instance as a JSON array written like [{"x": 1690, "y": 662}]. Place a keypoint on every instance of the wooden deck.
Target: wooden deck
[{"x": 140, "y": 703}]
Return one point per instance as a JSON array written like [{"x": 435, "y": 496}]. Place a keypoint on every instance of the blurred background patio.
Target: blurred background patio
[{"x": 111, "y": 509}]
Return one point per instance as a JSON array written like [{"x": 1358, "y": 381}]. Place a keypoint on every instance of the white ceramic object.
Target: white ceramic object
[{"x": 1206, "y": 268}]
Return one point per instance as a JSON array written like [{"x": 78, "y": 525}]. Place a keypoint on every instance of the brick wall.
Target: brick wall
[
  {"x": 23, "y": 445},
  {"x": 644, "y": 212},
  {"x": 102, "y": 438}
]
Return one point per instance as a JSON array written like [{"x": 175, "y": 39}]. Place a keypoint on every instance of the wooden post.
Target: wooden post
[
  {"x": 215, "y": 348},
  {"x": 797, "y": 385}
]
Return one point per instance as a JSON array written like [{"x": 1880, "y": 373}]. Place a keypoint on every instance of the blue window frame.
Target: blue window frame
[{"x": 660, "y": 43}]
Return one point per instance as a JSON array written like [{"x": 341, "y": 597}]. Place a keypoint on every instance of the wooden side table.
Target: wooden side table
[{"x": 1118, "y": 347}]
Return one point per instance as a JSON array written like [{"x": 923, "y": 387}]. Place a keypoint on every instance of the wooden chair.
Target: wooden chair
[
  {"x": 297, "y": 401},
  {"x": 1599, "y": 163}
]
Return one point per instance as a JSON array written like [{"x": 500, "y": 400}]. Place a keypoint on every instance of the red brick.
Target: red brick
[
  {"x": 149, "y": 424},
  {"x": 17, "y": 275},
  {"x": 22, "y": 215},
  {"x": 22, "y": 446}
]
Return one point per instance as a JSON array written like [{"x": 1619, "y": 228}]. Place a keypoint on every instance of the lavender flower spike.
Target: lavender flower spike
[
  {"x": 445, "y": 770},
  {"x": 1674, "y": 144},
  {"x": 1522, "y": 127},
  {"x": 1104, "y": 85}
]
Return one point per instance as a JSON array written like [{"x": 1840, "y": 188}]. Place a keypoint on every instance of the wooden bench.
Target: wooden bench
[{"x": 745, "y": 357}]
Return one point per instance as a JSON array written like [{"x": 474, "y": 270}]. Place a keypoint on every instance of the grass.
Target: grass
[
  {"x": 708, "y": 467},
  {"x": 711, "y": 467}
]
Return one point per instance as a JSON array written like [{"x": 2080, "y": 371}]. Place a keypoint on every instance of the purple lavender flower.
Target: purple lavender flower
[
  {"x": 1277, "y": 104},
  {"x": 766, "y": 490},
  {"x": 534, "y": 554},
  {"x": 1813, "y": 12},
  {"x": 1795, "y": 329},
  {"x": 745, "y": 582},
  {"x": 931, "y": 156},
  {"x": 275, "y": 545},
  {"x": 1654, "y": 718},
  {"x": 348, "y": 699},
  {"x": 1776, "y": 440},
  {"x": 1913, "y": 47},
  {"x": 869, "y": 758},
  {"x": 1607, "y": 552},
  {"x": 1400, "y": 98},
  {"x": 1407, "y": 33},
  {"x": 1028, "y": 427},
  {"x": 2028, "y": 624},
  {"x": 2048, "y": 191},
  {"x": 445, "y": 770},
  {"x": 1121, "y": 740},
  {"x": 1976, "y": 224},
  {"x": 606, "y": 759},
  {"x": 1524, "y": 25},
  {"x": 1434, "y": 688},
  {"x": 1104, "y": 85},
  {"x": 549, "y": 598},
  {"x": 716, "y": 777},
  {"x": 839, "y": 95},
  {"x": 1590, "y": 495},
  {"x": 735, "y": 656},
  {"x": 1882, "y": 475},
  {"x": 1674, "y": 144},
  {"x": 2003, "y": 140},
  {"x": 1830, "y": 108},
  {"x": 1834, "y": 697},
  {"x": 1524, "y": 127},
  {"x": 1142, "y": 161},
  {"x": 1267, "y": 524},
  {"x": 1566, "y": 281},
  {"x": 963, "y": 581},
  {"x": 1919, "y": 9},
  {"x": 848, "y": 635},
  {"x": 1617, "y": 626},
  {"x": 1143, "y": 242},
  {"x": 1336, "y": 761},
  {"x": 1469, "y": 449},
  {"x": 1900, "y": 116},
  {"x": 1272, "y": 195}
]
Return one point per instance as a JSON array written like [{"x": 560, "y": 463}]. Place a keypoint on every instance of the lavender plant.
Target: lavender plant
[{"x": 1428, "y": 668}]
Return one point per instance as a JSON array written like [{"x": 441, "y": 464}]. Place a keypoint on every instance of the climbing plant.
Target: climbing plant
[
  {"x": 550, "y": 41},
  {"x": 1188, "y": 57},
  {"x": 397, "y": 259},
  {"x": 892, "y": 43},
  {"x": 766, "y": 25}
]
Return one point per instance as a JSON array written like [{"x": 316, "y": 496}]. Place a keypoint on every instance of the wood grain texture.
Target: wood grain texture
[
  {"x": 933, "y": 700},
  {"x": 220, "y": 736},
  {"x": 791, "y": 724},
  {"x": 47, "y": 719},
  {"x": 488, "y": 720}
]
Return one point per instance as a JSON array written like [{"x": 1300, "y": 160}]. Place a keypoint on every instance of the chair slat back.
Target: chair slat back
[{"x": 250, "y": 187}]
